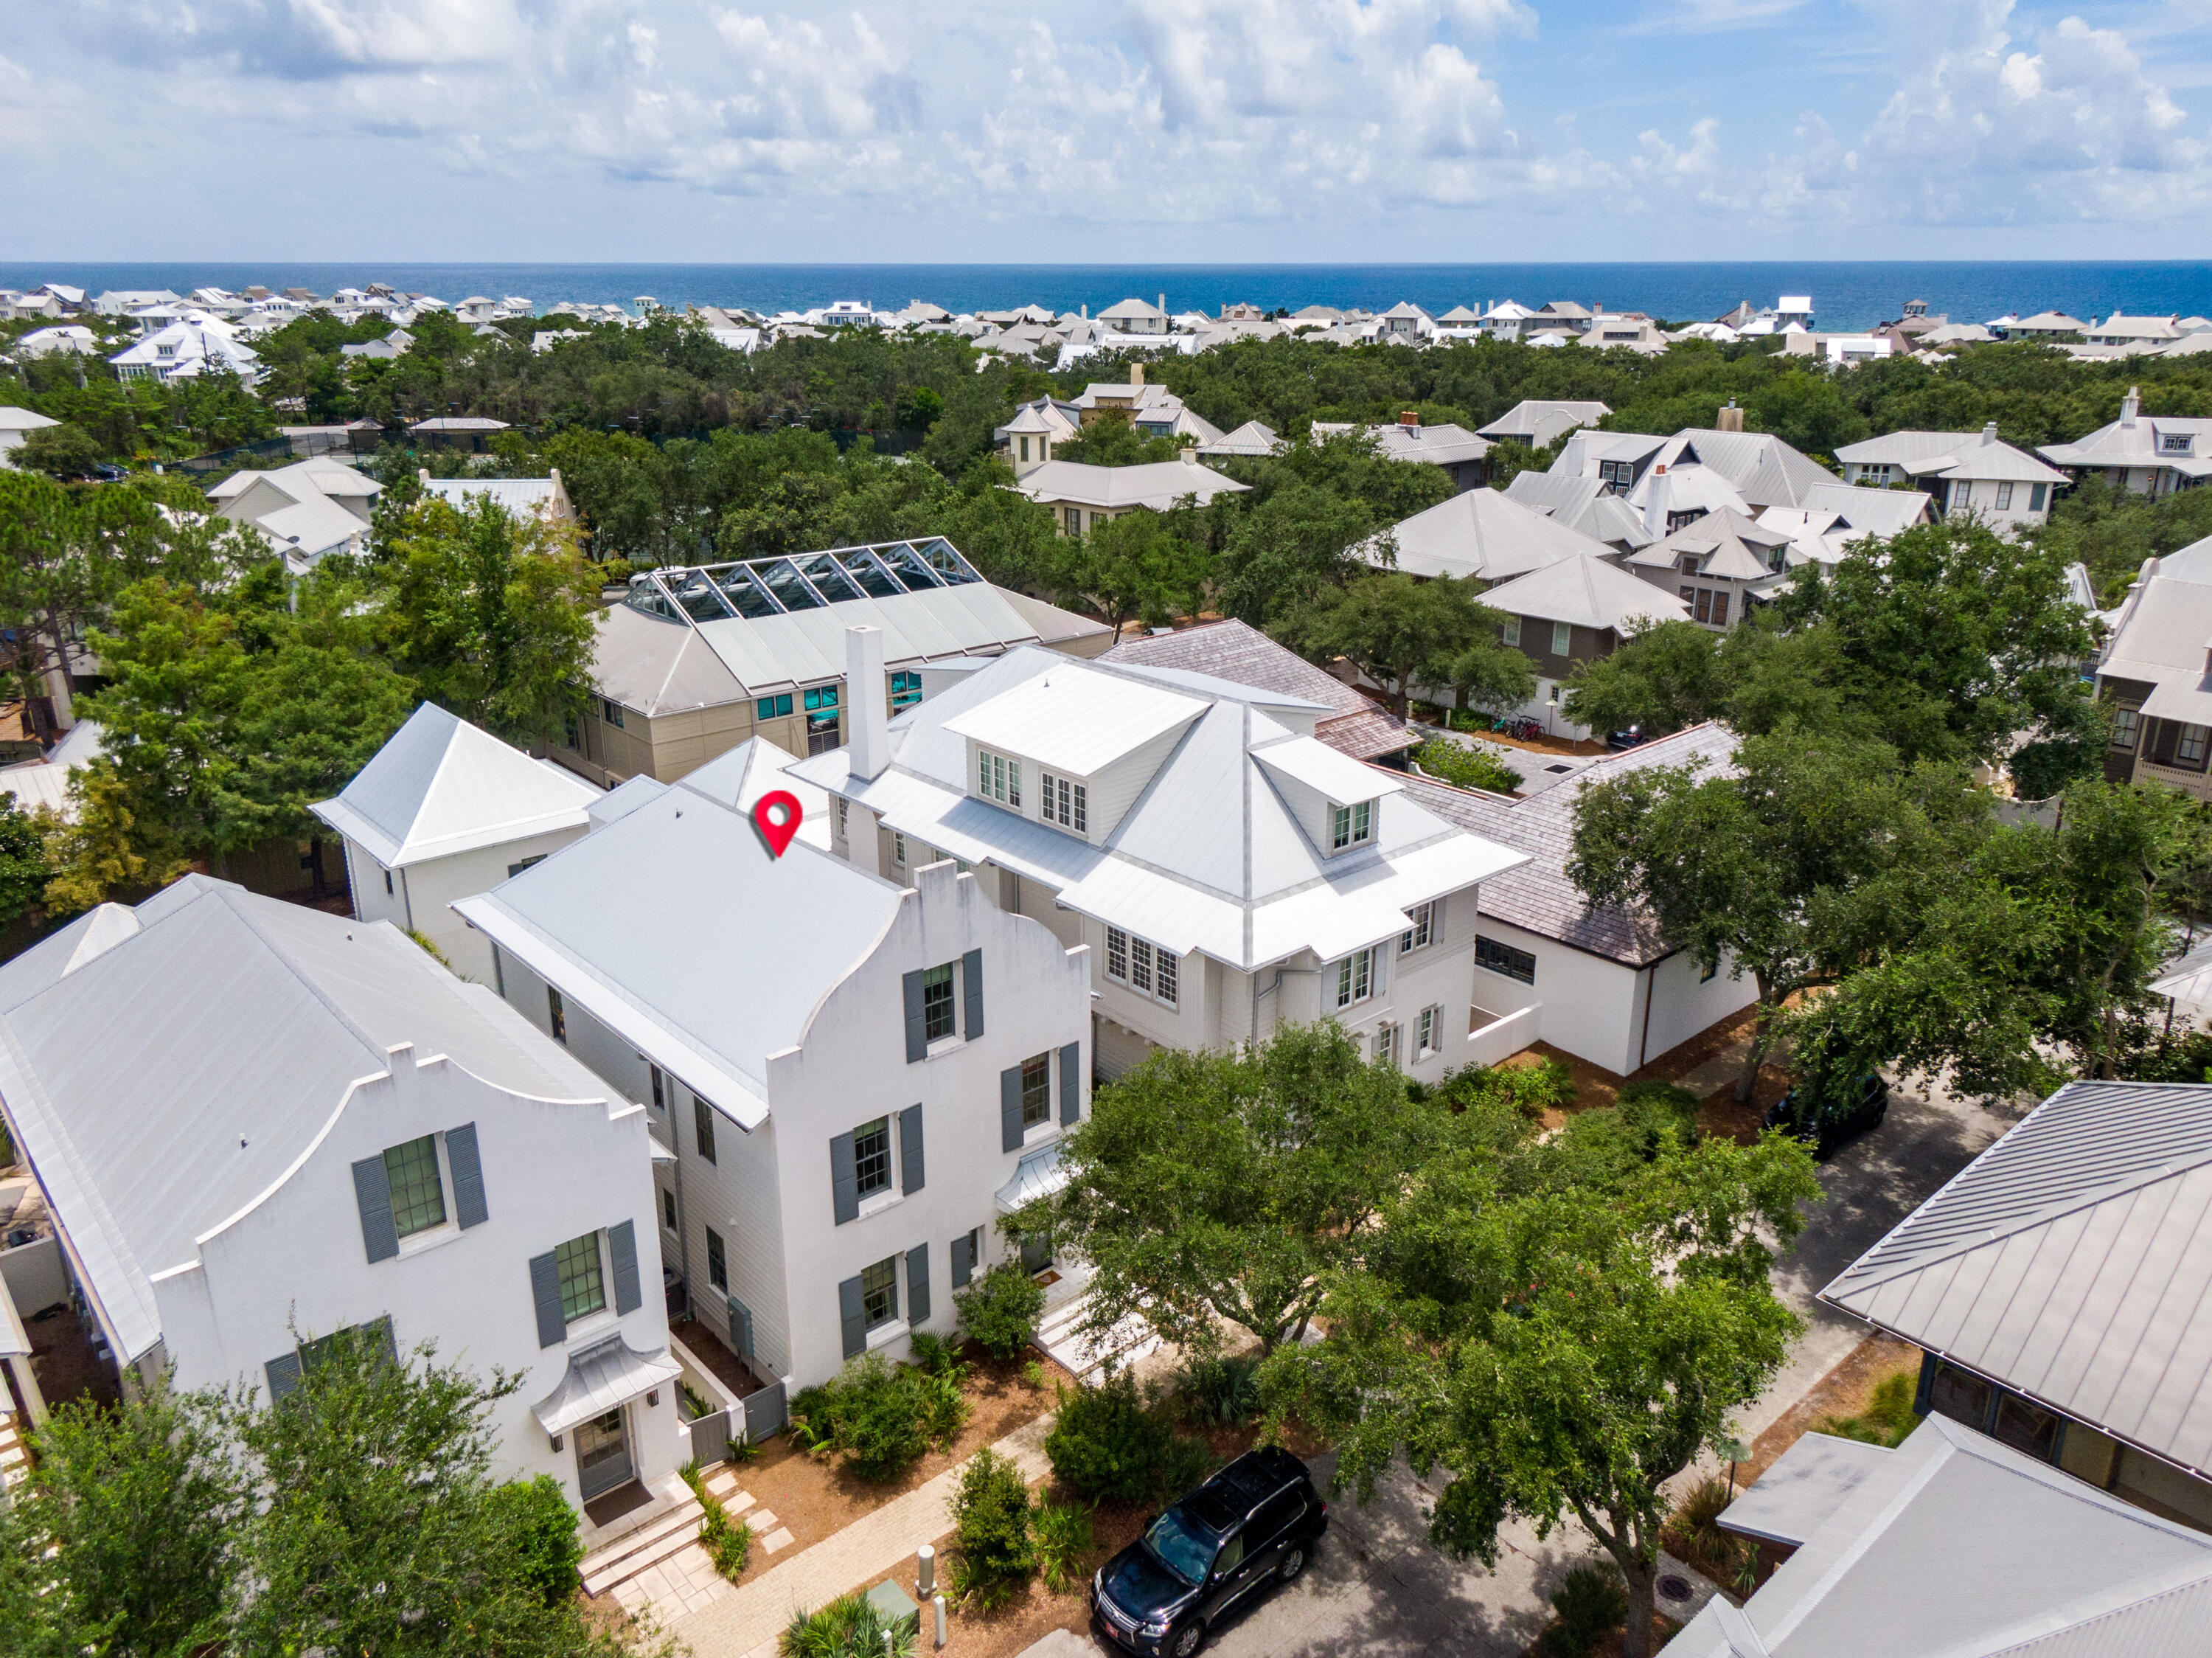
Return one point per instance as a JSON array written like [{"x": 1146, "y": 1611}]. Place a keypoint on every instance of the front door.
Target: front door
[{"x": 602, "y": 1454}]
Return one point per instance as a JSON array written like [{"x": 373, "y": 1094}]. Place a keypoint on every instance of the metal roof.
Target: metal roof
[
  {"x": 1483, "y": 533},
  {"x": 2071, "y": 1262},
  {"x": 1587, "y": 592},
  {"x": 441, "y": 786},
  {"x": 1157, "y": 485},
  {"x": 604, "y": 1376},
  {"x": 1075, "y": 721},
  {"x": 1805, "y": 1485}
]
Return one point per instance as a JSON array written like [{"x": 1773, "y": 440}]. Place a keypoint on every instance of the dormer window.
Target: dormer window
[
  {"x": 1064, "y": 803},
  {"x": 999, "y": 778},
  {"x": 1351, "y": 826},
  {"x": 2174, "y": 443}
]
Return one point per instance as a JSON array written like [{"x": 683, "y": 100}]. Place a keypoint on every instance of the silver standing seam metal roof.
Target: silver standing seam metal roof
[{"x": 2071, "y": 1262}]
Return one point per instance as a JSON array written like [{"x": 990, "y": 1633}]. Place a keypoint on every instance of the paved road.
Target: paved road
[{"x": 1376, "y": 1589}]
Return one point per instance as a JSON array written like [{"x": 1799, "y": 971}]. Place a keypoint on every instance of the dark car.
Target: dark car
[
  {"x": 1252, "y": 1523},
  {"x": 1631, "y": 738},
  {"x": 1865, "y": 1103}
]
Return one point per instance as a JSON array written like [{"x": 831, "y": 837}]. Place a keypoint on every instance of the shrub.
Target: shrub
[
  {"x": 1694, "y": 1530},
  {"x": 991, "y": 1521},
  {"x": 882, "y": 1417},
  {"x": 1064, "y": 1539},
  {"x": 1465, "y": 767},
  {"x": 1106, "y": 1445},
  {"x": 1033, "y": 1375},
  {"x": 544, "y": 1527},
  {"x": 728, "y": 1543},
  {"x": 1589, "y": 1606},
  {"x": 848, "y": 1627},
  {"x": 937, "y": 1355},
  {"x": 1000, "y": 1309},
  {"x": 1185, "y": 1462},
  {"x": 1654, "y": 1109},
  {"x": 1888, "y": 1418},
  {"x": 1220, "y": 1390}
]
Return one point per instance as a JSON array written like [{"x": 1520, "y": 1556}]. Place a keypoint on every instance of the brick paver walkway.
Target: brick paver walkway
[{"x": 744, "y": 1623}]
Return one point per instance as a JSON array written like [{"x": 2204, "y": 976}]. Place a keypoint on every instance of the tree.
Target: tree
[
  {"x": 494, "y": 616},
  {"x": 1133, "y": 566},
  {"x": 1557, "y": 1348},
  {"x": 1109, "y": 439},
  {"x": 1396, "y": 629},
  {"x": 24, "y": 870},
  {"x": 1663, "y": 677},
  {"x": 1290, "y": 547},
  {"x": 1805, "y": 861},
  {"x": 62, "y": 451},
  {"x": 1212, "y": 1185}
]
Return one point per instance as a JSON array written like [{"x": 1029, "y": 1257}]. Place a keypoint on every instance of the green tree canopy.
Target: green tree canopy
[
  {"x": 1396, "y": 629},
  {"x": 1134, "y": 567}
]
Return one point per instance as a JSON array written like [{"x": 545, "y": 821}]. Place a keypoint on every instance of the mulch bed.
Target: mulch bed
[{"x": 1845, "y": 1391}]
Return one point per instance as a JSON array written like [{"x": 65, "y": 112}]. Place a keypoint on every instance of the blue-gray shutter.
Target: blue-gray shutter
[
  {"x": 372, "y": 1189},
  {"x": 844, "y": 1180},
  {"x": 910, "y": 1148},
  {"x": 917, "y": 1285},
  {"x": 971, "y": 992},
  {"x": 1071, "y": 1084},
  {"x": 855, "y": 1320},
  {"x": 468, "y": 1176},
  {"x": 546, "y": 1290},
  {"x": 917, "y": 1044},
  {"x": 963, "y": 1259},
  {"x": 1010, "y": 1108},
  {"x": 741, "y": 1328},
  {"x": 622, "y": 1244},
  {"x": 284, "y": 1376}
]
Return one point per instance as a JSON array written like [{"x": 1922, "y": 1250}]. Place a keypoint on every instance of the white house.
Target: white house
[
  {"x": 307, "y": 511},
  {"x": 68, "y": 338},
  {"x": 256, "y": 1124},
  {"x": 1405, "y": 324},
  {"x": 196, "y": 343},
  {"x": 2151, "y": 455},
  {"x": 856, "y": 1079},
  {"x": 544, "y": 499},
  {"x": 1600, "y": 983},
  {"x": 445, "y": 811},
  {"x": 1082, "y": 496},
  {"x": 1228, "y": 870},
  {"x": 16, "y": 425},
  {"x": 1964, "y": 472},
  {"x": 1134, "y": 316}
]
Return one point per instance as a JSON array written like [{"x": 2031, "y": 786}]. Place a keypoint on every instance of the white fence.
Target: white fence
[{"x": 1504, "y": 1038}]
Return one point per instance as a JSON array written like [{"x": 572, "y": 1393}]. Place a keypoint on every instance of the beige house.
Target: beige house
[
  {"x": 1081, "y": 497},
  {"x": 543, "y": 497},
  {"x": 696, "y": 660},
  {"x": 2156, "y": 678}
]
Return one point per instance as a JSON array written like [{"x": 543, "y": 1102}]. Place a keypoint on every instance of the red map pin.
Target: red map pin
[{"x": 776, "y": 816}]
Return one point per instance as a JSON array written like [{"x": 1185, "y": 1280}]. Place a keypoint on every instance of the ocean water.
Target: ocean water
[{"x": 1845, "y": 295}]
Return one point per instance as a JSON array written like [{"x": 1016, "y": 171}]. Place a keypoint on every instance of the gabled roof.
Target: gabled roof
[
  {"x": 1869, "y": 511},
  {"x": 1542, "y": 419},
  {"x": 13, "y": 419},
  {"x": 1766, "y": 471},
  {"x": 1952, "y": 1545},
  {"x": 2070, "y": 1262},
  {"x": 1538, "y": 897},
  {"x": 1726, "y": 544},
  {"x": 1157, "y": 485},
  {"x": 1241, "y": 654},
  {"x": 1951, "y": 455},
  {"x": 1253, "y": 437},
  {"x": 1483, "y": 533},
  {"x": 441, "y": 786},
  {"x": 1588, "y": 592},
  {"x": 155, "y": 1109},
  {"x": 1434, "y": 446},
  {"x": 514, "y": 495},
  {"x": 1584, "y": 505},
  {"x": 2162, "y": 636}
]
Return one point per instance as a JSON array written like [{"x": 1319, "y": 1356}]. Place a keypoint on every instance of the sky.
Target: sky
[{"x": 1103, "y": 130}]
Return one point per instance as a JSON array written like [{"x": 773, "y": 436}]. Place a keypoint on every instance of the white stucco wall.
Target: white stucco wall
[{"x": 422, "y": 893}]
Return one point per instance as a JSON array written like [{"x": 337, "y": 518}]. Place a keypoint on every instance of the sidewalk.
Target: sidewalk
[{"x": 745, "y": 1625}]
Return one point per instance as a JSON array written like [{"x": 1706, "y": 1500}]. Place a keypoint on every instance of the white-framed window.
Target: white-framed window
[
  {"x": 1355, "y": 978},
  {"x": 2189, "y": 745},
  {"x": 1427, "y": 1028},
  {"x": 871, "y": 1157},
  {"x": 1350, "y": 825},
  {"x": 1037, "y": 1090},
  {"x": 844, "y": 811},
  {"x": 898, "y": 848},
  {"x": 1511, "y": 631},
  {"x": 2174, "y": 443},
  {"x": 879, "y": 1293},
  {"x": 1417, "y": 937},
  {"x": 1064, "y": 801},
  {"x": 1503, "y": 959},
  {"x": 2127, "y": 727},
  {"x": 1141, "y": 965},
  {"x": 418, "y": 1195},
  {"x": 1563, "y": 639},
  {"x": 1386, "y": 1044},
  {"x": 999, "y": 778}
]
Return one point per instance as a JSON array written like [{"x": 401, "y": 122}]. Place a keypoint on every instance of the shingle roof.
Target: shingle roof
[
  {"x": 1538, "y": 897},
  {"x": 1240, "y": 653},
  {"x": 2071, "y": 1261}
]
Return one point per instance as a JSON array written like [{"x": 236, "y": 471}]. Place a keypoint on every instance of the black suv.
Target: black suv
[
  {"x": 1864, "y": 1104},
  {"x": 1254, "y": 1523}
]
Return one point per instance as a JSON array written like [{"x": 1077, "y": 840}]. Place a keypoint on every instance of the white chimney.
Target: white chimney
[
  {"x": 871, "y": 740},
  {"x": 2130, "y": 406},
  {"x": 1990, "y": 432}
]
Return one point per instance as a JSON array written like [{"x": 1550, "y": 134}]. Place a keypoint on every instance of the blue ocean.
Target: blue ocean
[{"x": 1845, "y": 295}]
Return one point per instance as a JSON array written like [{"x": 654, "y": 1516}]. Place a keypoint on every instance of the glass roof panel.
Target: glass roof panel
[
  {"x": 874, "y": 579},
  {"x": 823, "y": 571},
  {"x": 784, "y": 581},
  {"x": 909, "y": 565},
  {"x": 743, "y": 589},
  {"x": 938, "y": 554},
  {"x": 697, "y": 594},
  {"x": 645, "y": 595}
]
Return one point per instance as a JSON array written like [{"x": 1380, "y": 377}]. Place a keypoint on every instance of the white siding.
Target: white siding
[{"x": 1115, "y": 789}]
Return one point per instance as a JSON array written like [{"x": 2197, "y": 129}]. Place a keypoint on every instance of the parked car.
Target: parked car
[
  {"x": 1865, "y": 1103},
  {"x": 1631, "y": 738},
  {"x": 1252, "y": 1523}
]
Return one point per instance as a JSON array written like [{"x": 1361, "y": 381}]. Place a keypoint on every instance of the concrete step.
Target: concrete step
[
  {"x": 1127, "y": 1342},
  {"x": 638, "y": 1551}
]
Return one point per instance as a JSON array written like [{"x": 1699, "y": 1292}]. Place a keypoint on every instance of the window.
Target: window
[
  {"x": 906, "y": 689},
  {"x": 1616, "y": 475},
  {"x": 583, "y": 1291},
  {"x": 2004, "y": 497},
  {"x": 1117, "y": 954},
  {"x": 418, "y": 1201},
  {"x": 936, "y": 1002},
  {"x": 1143, "y": 966},
  {"x": 879, "y": 1292},
  {"x": 387, "y": 883},
  {"x": 1064, "y": 803},
  {"x": 898, "y": 850},
  {"x": 844, "y": 807},
  {"x": 1074, "y": 517},
  {"x": 2127, "y": 727},
  {"x": 1878, "y": 475},
  {"x": 1164, "y": 976},
  {"x": 769, "y": 708},
  {"x": 557, "y": 1013},
  {"x": 668, "y": 1208},
  {"x": 1025, "y": 448},
  {"x": 2173, "y": 443},
  {"x": 1351, "y": 825},
  {"x": 872, "y": 1156},
  {"x": 718, "y": 1262},
  {"x": 1504, "y": 958},
  {"x": 1710, "y": 973},
  {"x": 822, "y": 699},
  {"x": 660, "y": 1088},
  {"x": 1511, "y": 631},
  {"x": 999, "y": 778},
  {"x": 2035, "y": 496},
  {"x": 1425, "y": 1033},
  {"x": 1416, "y": 937},
  {"x": 1960, "y": 1395},
  {"x": 1355, "y": 978},
  {"x": 1962, "y": 495},
  {"x": 1386, "y": 1044},
  {"x": 2025, "y": 1427},
  {"x": 515, "y": 869},
  {"x": 1563, "y": 639},
  {"x": 2189, "y": 745},
  {"x": 1037, "y": 1090},
  {"x": 611, "y": 712},
  {"x": 702, "y": 1127}
]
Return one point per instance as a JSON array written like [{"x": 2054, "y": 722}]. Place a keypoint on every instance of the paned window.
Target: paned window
[
  {"x": 2127, "y": 727},
  {"x": 822, "y": 699},
  {"x": 1037, "y": 1090},
  {"x": 1064, "y": 803},
  {"x": 1140, "y": 964},
  {"x": 936, "y": 1002},
  {"x": 769, "y": 708},
  {"x": 1509, "y": 630},
  {"x": 2189, "y": 745},
  {"x": 1355, "y": 978},
  {"x": 872, "y": 1156},
  {"x": 906, "y": 689},
  {"x": 1416, "y": 937},
  {"x": 898, "y": 848},
  {"x": 879, "y": 1292},
  {"x": 1165, "y": 972},
  {"x": 1962, "y": 495},
  {"x": 844, "y": 811},
  {"x": 1498, "y": 958},
  {"x": 418, "y": 1201},
  {"x": 1720, "y": 609},
  {"x": 718, "y": 1262},
  {"x": 583, "y": 1291},
  {"x": 611, "y": 712},
  {"x": 702, "y": 1127},
  {"x": 1351, "y": 825},
  {"x": 1143, "y": 966},
  {"x": 999, "y": 778},
  {"x": 1563, "y": 639},
  {"x": 2004, "y": 497},
  {"x": 1386, "y": 1044},
  {"x": 1117, "y": 954},
  {"x": 2173, "y": 443},
  {"x": 1425, "y": 1033},
  {"x": 557, "y": 1015}
]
